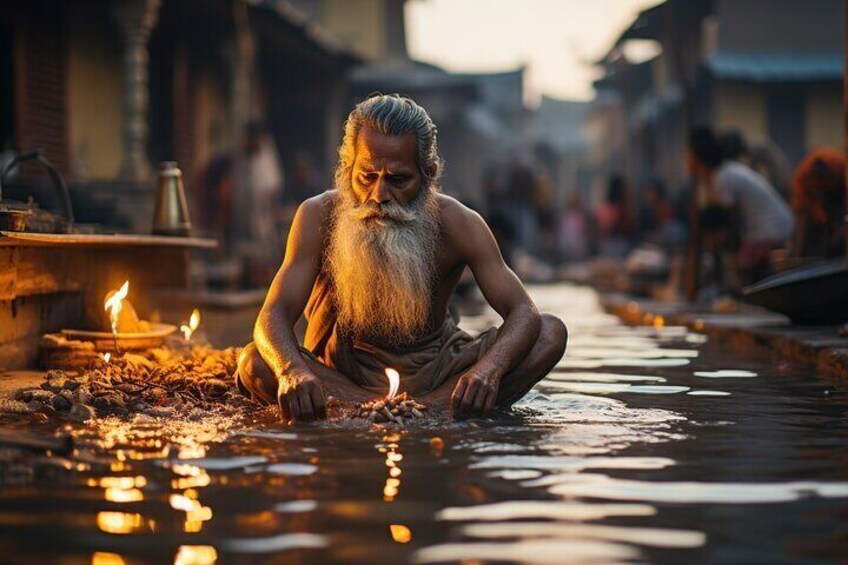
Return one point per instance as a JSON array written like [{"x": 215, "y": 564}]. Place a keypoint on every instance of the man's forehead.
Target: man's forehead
[{"x": 374, "y": 147}]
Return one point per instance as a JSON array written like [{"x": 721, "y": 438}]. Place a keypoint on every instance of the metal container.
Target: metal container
[{"x": 170, "y": 215}]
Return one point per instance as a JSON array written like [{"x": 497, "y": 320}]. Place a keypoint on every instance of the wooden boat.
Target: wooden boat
[{"x": 816, "y": 293}]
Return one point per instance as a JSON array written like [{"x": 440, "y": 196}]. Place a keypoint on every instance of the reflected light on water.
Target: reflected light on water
[
  {"x": 393, "y": 457},
  {"x": 196, "y": 555},
  {"x": 118, "y": 482},
  {"x": 400, "y": 533},
  {"x": 689, "y": 492},
  {"x": 124, "y": 495},
  {"x": 196, "y": 513},
  {"x": 105, "y": 558},
  {"x": 190, "y": 476},
  {"x": 192, "y": 451},
  {"x": 655, "y": 537},
  {"x": 547, "y": 551},
  {"x": 119, "y": 522},
  {"x": 726, "y": 374},
  {"x": 542, "y": 509}
]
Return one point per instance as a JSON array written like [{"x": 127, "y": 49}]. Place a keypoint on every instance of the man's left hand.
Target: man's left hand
[{"x": 475, "y": 394}]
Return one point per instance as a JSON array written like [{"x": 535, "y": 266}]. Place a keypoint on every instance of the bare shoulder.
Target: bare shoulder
[
  {"x": 313, "y": 214},
  {"x": 463, "y": 229},
  {"x": 318, "y": 207},
  {"x": 309, "y": 227},
  {"x": 459, "y": 221}
]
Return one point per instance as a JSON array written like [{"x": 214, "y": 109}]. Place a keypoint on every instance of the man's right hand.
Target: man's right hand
[{"x": 301, "y": 398}]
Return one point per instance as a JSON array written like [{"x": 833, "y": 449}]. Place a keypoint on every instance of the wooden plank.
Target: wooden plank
[
  {"x": 42, "y": 270},
  {"x": 8, "y": 272},
  {"x": 62, "y": 239},
  {"x": 25, "y": 320}
]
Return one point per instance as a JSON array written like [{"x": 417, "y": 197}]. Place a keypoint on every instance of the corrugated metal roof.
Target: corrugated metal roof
[{"x": 772, "y": 67}]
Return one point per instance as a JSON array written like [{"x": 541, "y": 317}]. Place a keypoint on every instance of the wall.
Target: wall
[
  {"x": 213, "y": 133},
  {"x": 740, "y": 106},
  {"x": 825, "y": 115},
  {"x": 765, "y": 25},
  {"x": 95, "y": 92},
  {"x": 360, "y": 24}
]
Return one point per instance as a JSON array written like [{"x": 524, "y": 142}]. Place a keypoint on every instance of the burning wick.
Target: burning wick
[
  {"x": 188, "y": 330},
  {"x": 394, "y": 382},
  {"x": 115, "y": 304},
  {"x": 106, "y": 357}
]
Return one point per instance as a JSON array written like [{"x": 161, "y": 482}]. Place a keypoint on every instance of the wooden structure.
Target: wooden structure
[{"x": 54, "y": 281}]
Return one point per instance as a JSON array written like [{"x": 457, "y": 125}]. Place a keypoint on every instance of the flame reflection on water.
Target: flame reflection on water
[
  {"x": 120, "y": 522},
  {"x": 196, "y": 555},
  {"x": 106, "y": 558},
  {"x": 400, "y": 533}
]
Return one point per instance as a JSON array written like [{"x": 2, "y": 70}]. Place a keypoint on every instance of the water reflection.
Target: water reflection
[
  {"x": 391, "y": 449},
  {"x": 400, "y": 533},
  {"x": 121, "y": 522},
  {"x": 726, "y": 374},
  {"x": 623, "y": 453},
  {"x": 196, "y": 555},
  {"x": 106, "y": 558},
  {"x": 602, "y": 486}
]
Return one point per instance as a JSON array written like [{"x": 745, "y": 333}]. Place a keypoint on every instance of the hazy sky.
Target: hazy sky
[{"x": 554, "y": 38}]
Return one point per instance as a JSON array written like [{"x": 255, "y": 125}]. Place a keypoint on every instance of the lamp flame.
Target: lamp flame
[
  {"x": 394, "y": 382},
  {"x": 115, "y": 304},
  {"x": 106, "y": 357},
  {"x": 193, "y": 323}
]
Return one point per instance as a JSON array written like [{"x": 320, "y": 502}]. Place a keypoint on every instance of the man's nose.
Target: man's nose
[{"x": 381, "y": 193}]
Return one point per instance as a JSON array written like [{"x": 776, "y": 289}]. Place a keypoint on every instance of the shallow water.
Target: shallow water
[{"x": 644, "y": 445}]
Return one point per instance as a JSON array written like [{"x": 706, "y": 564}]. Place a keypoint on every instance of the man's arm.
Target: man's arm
[
  {"x": 300, "y": 394},
  {"x": 477, "y": 389}
]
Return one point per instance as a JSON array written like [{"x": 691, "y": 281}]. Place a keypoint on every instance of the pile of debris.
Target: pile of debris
[
  {"x": 396, "y": 410},
  {"x": 185, "y": 383}
]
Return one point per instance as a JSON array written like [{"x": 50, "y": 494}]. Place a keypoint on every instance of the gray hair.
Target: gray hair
[{"x": 391, "y": 114}]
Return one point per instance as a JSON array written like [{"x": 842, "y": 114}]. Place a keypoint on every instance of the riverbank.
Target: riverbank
[{"x": 743, "y": 328}]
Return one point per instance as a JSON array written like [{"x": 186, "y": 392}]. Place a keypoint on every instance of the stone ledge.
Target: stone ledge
[{"x": 747, "y": 329}]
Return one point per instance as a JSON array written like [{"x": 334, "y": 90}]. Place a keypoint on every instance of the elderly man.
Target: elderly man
[{"x": 372, "y": 265}]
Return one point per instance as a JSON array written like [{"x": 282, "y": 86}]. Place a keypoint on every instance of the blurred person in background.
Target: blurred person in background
[
  {"x": 575, "y": 230},
  {"x": 544, "y": 203},
  {"x": 766, "y": 158},
  {"x": 239, "y": 203},
  {"x": 304, "y": 182},
  {"x": 612, "y": 220},
  {"x": 818, "y": 199},
  {"x": 763, "y": 156},
  {"x": 743, "y": 215},
  {"x": 656, "y": 211},
  {"x": 520, "y": 192},
  {"x": 258, "y": 187},
  {"x": 735, "y": 146}
]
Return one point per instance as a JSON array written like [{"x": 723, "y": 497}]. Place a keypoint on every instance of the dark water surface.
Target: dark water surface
[{"x": 644, "y": 445}]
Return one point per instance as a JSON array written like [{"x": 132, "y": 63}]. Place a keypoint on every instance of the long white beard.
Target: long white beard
[{"x": 382, "y": 260}]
